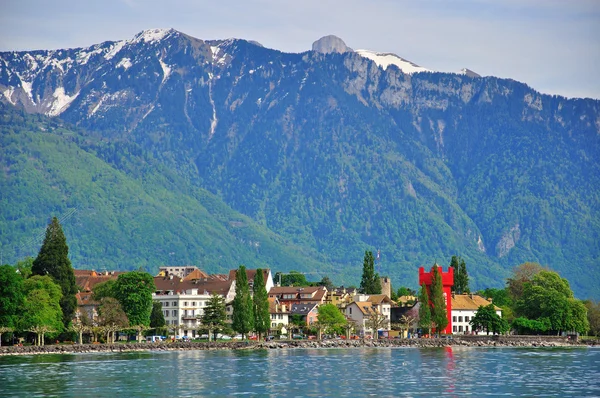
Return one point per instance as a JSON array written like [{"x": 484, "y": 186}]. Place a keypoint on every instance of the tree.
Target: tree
[
  {"x": 593, "y": 314},
  {"x": 327, "y": 283},
  {"x": 24, "y": 267},
  {"x": 461, "y": 278},
  {"x": 41, "y": 312},
  {"x": 215, "y": 315},
  {"x": 293, "y": 278},
  {"x": 53, "y": 260},
  {"x": 439, "y": 315},
  {"x": 11, "y": 295},
  {"x": 80, "y": 328},
  {"x": 424, "y": 310},
  {"x": 487, "y": 319},
  {"x": 139, "y": 330},
  {"x": 5, "y": 329},
  {"x": 104, "y": 289},
  {"x": 370, "y": 282},
  {"x": 260, "y": 305},
  {"x": 111, "y": 317},
  {"x": 521, "y": 274},
  {"x": 404, "y": 291},
  {"x": 548, "y": 296},
  {"x": 134, "y": 292},
  {"x": 375, "y": 321},
  {"x": 157, "y": 318},
  {"x": 243, "y": 317},
  {"x": 330, "y": 317}
]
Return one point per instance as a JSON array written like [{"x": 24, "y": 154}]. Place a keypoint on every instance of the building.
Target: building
[
  {"x": 364, "y": 306},
  {"x": 464, "y": 308},
  {"x": 447, "y": 283},
  {"x": 280, "y": 314},
  {"x": 251, "y": 273},
  {"x": 86, "y": 280},
  {"x": 180, "y": 271},
  {"x": 290, "y": 295},
  {"x": 307, "y": 311}
]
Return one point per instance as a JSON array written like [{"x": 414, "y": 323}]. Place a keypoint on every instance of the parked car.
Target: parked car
[
  {"x": 154, "y": 339},
  {"x": 297, "y": 337},
  {"x": 269, "y": 338},
  {"x": 238, "y": 337}
]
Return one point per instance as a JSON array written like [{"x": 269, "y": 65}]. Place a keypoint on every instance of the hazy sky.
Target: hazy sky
[{"x": 552, "y": 45}]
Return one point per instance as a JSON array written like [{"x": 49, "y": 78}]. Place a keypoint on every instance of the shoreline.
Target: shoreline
[{"x": 463, "y": 341}]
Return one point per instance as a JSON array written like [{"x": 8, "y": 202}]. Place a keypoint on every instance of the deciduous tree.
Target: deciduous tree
[
  {"x": 520, "y": 275},
  {"x": 111, "y": 317},
  {"x": 134, "y": 292},
  {"x": 439, "y": 315},
  {"x": 53, "y": 260},
  {"x": 330, "y": 317},
  {"x": 41, "y": 309},
  {"x": 243, "y": 317},
  {"x": 11, "y": 295},
  {"x": 487, "y": 319},
  {"x": 370, "y": 282},
  {"x": 424, "y": 310},
  {"x": 375, "y": 321},
  {"x": 260, "y": 305}
]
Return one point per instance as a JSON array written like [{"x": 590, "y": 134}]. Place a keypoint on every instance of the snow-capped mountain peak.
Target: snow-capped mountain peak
[
  {"x": 152, "y": 35},
  {"x": 386, "y": 59}
]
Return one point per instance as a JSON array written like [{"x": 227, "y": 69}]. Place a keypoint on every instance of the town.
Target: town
[{"x": 46, "y": 299}]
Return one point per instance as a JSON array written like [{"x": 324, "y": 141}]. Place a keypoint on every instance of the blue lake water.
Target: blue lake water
[{"x": 379, "y": 372}]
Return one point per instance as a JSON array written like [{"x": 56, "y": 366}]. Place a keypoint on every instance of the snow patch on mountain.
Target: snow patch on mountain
[
  {"x": 166, "y": 70},
  {"x": 61, "y": 101},
  {"x": 115, "y": 48},
  {"x": 125, "y": 63},
  {"x": 386, "y": 59},
  {"x": 8, "y": 95},
  {"x": 152, "y": 35}
]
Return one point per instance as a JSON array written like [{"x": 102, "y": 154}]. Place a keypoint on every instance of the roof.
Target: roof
[
  {"x": 379, "y": 298},
  {"x": 180, "y": 286},
  {"x": 87, "y": 279},
  {"x": 470, "y": 302},
  {"x": 250, "y": 274},
  {"x": 303, "y": 309},
  {"x": 196, "y": 274},
  {"x": 293, "y": 289},
  {"x": 366, "y": 307}
]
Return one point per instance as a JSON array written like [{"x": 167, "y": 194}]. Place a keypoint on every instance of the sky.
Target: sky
[{"x": 552, "y": 45}]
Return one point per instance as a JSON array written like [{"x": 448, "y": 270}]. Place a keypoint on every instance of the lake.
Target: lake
[{"x": 380, "y": 372}]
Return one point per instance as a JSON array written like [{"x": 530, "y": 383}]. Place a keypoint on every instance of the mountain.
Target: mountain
[{"x": 328, "y": 151}]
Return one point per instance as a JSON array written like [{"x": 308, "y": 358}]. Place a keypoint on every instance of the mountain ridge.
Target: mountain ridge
[{"x": 338, "y": 154}]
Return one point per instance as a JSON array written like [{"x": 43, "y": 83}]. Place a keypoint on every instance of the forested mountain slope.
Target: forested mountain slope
[{"x": 337, "y": 155}]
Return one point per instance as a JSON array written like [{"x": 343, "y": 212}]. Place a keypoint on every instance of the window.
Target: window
[
  {"x": 273, "y": 325},
  {"x": 273, "y": 316},
  {"x": 460, "y": 318},
  {"x": 460, "y": 329},
  {"x": 166, "y": 312},
  {"x": 350, "y": 310},
  {"x": 174, "y": 303},
  {"x": 185, "y": 303},
  {"x": 466, "y": 328},
  {"x": 280, "y": 316},
  {"x": 174, "y": 312},
  {"x": 466, "y": 319},
  {"x": 454, "y": 328},
  {"x": 454, "y": 320},
  {"x": 193, "y": 303},
  {"x": 166, "y": 303}
]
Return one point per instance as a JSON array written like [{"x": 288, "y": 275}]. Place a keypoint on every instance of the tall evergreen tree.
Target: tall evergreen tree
[
  {"x": 243, "y": 317},
  {"x": 260, "y": 301},
  {"x": 53, "y": 260},
  {"x": 455, "y": 265},
  {"x": 370, "y": 282},
  {"x": 439, "y": 315},
  {"x": 463, "y": 278},
  {"x": 157, "y": 318},
  {"x": 424, "y": 310}
]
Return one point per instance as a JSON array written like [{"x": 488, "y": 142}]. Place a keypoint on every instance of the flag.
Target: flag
[{"x": 378, "y": 254}]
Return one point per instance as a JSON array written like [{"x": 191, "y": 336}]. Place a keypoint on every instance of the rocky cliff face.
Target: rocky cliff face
[{"x": 339, "y": 154}]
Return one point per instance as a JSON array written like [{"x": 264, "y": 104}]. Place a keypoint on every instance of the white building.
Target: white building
[
  {"x": 464, "y": 308},
  {"x": 364, "y": 306}
]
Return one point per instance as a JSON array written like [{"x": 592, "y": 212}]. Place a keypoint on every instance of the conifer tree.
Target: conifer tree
[
  {"x": 243, "y": 317},
  {"x": 424, "y": 310},
  {"x": 260, "y": 299},
  {"x": 53, "y": 260},
  {"x": 461, "y": 277},
  {"x": 215, "y": 316},
  {"x": 370, "y": 282},
  {"x": 439, "y": 315}
]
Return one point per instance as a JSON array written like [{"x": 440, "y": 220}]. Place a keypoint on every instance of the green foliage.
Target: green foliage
[
  {"x": 53, "y": 260},
  {"x": 521, "y": 275},
  {"x": 104, "y": 289},
  {"x": 292, "y": 278},
  {"x": 157, "y": 318},
  {"x": 424, "y": 310},
  {"x": 370, "y": 282},
  {"x": 134, "y": 291},
  {"x": 243, "y": 317},
  {"x": 405, "y": 291},
  {"x": 330, "y": 317},
  {"x": 531, "y": 326},
  {"x": 215, "y": 315},
  {"x": 24, "y": 267},
  {"x": 461, "y": 277},
  {"x": 593, "y": 314},
  {"x": 327, "y": 283},
  {"x": 549, "y": 297},
  {"x": 439, "y": 315},
  {"x": 11, "y": 296},
  {"x": 260, "y": 304},
  {"x": 111, "y": 313},
  {"x": 487, "y": 319},
  {"x": 41, "y": 306}
]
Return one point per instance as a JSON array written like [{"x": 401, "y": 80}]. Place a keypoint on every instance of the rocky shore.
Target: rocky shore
[{"x": 470, "y": 341}]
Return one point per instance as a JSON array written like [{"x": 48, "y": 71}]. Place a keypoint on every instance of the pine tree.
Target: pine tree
[
  {"x": 463, "y": 278},
  {"x": 370, "y": 282},
  {"x": 439, "y": 315},
  {"x": 424, "y": 310},
  {"x": 53, "y": 260},
  {"x": 260, "y": 299},
  {"x": 215, "y": 315},
  {"x": 456, "y": 268},
  {"x": 243, "y": 317}
]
